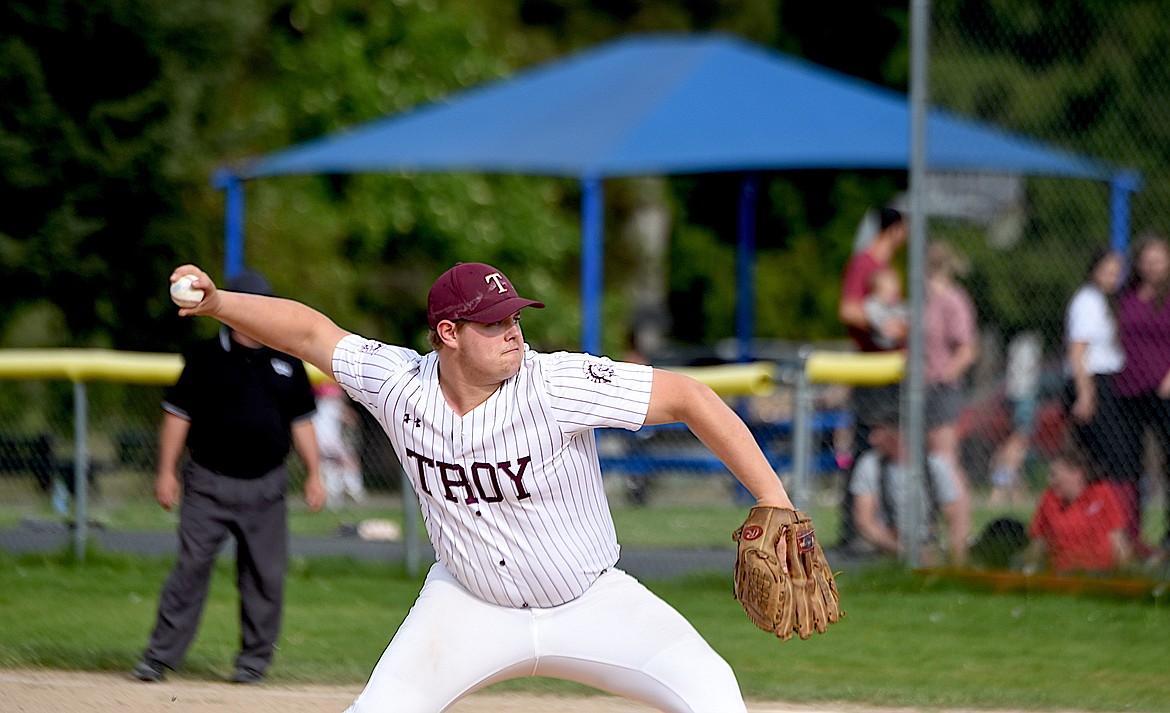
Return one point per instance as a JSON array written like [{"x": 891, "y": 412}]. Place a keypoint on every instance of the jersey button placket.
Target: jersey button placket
[{"x": 464, "y": 435}]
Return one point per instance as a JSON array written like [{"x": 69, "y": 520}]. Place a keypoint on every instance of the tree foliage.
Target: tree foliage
[
  {"x": 119, "y": 111},
  {"x": 1088, "y": 76}
]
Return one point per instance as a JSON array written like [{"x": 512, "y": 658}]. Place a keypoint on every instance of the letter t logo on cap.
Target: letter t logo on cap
[{"x": 498, "y": 280}]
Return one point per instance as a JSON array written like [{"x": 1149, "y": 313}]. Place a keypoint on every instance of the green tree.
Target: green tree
[
  {"x": 103, "y": 160},
  {"x": 365, "y": 248},
  {"x": 1088, "y": 76},
  {"x": 119, "y": 111}
]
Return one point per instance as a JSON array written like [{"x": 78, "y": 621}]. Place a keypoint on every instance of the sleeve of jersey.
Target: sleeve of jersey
[
  {"x": 587, "y": 391},
  {"x": 363, "y": 366}
]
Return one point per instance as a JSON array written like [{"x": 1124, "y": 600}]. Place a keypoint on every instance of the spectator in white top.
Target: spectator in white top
[
  {"x": 1093, "y": 358},
  {"x": 877, "y": 486}
]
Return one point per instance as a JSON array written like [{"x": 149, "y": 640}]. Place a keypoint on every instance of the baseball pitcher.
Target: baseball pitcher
[{"x": 497, "y": 440}]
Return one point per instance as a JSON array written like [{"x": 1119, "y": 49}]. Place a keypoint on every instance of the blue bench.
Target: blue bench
[{"x": 654, "y": 450}]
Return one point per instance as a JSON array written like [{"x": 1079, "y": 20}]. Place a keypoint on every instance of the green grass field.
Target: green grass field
[{"x": 907, "y": 640}]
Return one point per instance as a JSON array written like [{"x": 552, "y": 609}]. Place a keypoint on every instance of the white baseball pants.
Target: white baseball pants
[{"x": 618, "y": 637}]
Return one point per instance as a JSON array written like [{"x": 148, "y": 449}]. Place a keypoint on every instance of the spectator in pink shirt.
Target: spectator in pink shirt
[{"x": 950, "y": 348}]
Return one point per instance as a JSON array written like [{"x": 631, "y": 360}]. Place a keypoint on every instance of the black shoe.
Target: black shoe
[
  {"x": 150, "y": 671},
  {"x": 247, "y": 675}
]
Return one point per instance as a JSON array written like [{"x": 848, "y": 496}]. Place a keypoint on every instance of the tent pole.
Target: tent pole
[
  {"x": 749, "y": 188},
  {"x": 1121, "y": 187},
  {"x": 233, "y": 189},
  {"x": 592, "y": 201}
]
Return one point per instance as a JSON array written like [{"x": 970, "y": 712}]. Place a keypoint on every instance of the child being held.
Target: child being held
[{"x": 884, "y": 309}]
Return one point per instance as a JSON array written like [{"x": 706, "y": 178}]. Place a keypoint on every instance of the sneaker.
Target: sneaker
[
  {"x": 247, "y": 675},
  {"x": 150, "y": 671}
]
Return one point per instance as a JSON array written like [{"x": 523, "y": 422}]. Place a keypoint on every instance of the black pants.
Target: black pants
[
  {"x": 1143, "y": 413},
  {"x": 253, "y": 512},
  {"x": 1107, "y": 437}
]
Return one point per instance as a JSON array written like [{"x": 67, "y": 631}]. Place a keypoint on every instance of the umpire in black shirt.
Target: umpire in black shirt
[{"x": 237, "y": 407}]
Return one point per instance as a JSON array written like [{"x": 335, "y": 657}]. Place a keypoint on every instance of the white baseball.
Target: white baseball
[{"x": 183, "y": 295}]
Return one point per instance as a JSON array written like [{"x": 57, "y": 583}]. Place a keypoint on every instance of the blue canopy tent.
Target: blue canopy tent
[{"x": 665, "y": 104}]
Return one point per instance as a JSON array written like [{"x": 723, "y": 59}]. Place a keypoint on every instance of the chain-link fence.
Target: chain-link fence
[
  {"x": 117, "y": 419},
  {"x": 111, "y": 423},
  {"x": 1087, "y": 79},
  {"x": 806, "y": 443}
]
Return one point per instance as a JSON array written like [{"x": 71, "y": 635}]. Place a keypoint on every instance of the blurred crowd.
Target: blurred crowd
[{"x": 1084, "y": 514}]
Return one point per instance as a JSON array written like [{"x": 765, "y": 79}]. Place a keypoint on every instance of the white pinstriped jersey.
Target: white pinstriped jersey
[{"x": 511, "y": 492}]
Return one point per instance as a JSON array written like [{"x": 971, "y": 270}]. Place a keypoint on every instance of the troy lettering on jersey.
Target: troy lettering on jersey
[{"x": 471, "y": 484}]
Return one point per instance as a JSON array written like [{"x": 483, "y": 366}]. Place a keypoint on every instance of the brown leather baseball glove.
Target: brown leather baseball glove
[{"x": 781, "y": 576}]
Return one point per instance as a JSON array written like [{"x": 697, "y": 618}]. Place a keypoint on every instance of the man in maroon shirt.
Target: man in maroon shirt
[
  {"x": 855, "y": 286},
  {"x": 867, "y": 401}
]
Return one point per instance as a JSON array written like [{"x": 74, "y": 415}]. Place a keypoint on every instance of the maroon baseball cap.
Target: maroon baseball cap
[{"x": 475, "y": 292}]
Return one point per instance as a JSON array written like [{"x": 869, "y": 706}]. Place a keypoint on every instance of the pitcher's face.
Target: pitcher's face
[{"x": 494, "y": 350}]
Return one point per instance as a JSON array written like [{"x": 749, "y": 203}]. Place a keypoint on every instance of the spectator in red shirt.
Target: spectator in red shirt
[
  {"x": 869, "y": 401},
  {"x": 1079, "y": 525},
  {"x": 857, "y": 282}
]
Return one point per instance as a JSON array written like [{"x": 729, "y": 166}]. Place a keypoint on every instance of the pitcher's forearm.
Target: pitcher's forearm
[
  {"x": 676, "y": 398},
  {"x": 734, "y": 444},
  {"x": 285, "y": 325}
]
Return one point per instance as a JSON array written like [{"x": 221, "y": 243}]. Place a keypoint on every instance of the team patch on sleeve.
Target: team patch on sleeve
[{"x": 598, "y": 371}]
